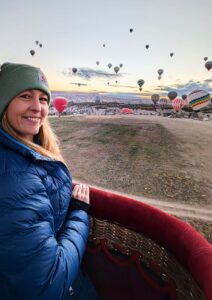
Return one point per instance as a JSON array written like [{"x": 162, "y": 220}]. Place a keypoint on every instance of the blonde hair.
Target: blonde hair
[{"x": 48, "y": 141}]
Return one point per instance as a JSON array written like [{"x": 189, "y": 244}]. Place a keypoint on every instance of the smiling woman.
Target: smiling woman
[
  {"x": 27, "y": 112},
  {"x": 40, "y": 217}
]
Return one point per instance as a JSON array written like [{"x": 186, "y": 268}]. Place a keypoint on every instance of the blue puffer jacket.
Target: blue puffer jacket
[{"x": 41, "y": 241}]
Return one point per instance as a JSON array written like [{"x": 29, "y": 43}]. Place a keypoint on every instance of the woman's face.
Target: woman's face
[{"x": 27, "y": 111}]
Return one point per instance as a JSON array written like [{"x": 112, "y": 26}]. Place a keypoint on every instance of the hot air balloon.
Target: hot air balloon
[
  {"x": 198, "y": 99},
  {"x": 74, "y": 70},
  {"x": 171, "y": 54},
  {"x": 109, "y": 65},
  {"x": 60, "y": 103},
  {"x": 208, "y": 65},
  {"x": 184, "y": 96},
  {"x": 32, "y": 52},
  {"x": 160, "y": 71},
  {"x": 120, "y": 65},
  {"x": 126, "y": 111},
  {"x": 108, "y": 83},
  {"x": 178, "y": 104},
  {"x": 162, "y": 102},
  {"x": 79, "y": 84},
  {"x": 36, "y": 42},
  {"x": 205, "y": 58},
  {"x": 97, "y": 62},
  {"x": 116, "y": 81},
  {"x": 131, "y": 30},
  {"x": 155, "y": 98},
  {"x": 140, "y": 82},
  {"x": 40, "y": 45},
  {"x": 172, "y": 95},
  {"x": 116, "y": 69},
  {"x": 159, "y": 77},
  {"x": 103, "y": 45},
  {"x": 147, "y": 46}
]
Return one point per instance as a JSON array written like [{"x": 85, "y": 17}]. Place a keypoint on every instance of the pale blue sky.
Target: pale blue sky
[{"x": 73, "y": 33}]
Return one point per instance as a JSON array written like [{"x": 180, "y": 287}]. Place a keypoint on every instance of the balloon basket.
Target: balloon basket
[{"x": 136, "y": 251}]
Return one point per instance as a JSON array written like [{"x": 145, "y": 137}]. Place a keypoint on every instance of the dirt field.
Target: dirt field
[{"x": 165, "y": 162}]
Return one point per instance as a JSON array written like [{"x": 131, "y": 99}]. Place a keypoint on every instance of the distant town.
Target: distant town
[{"x": 104, "y": 104}]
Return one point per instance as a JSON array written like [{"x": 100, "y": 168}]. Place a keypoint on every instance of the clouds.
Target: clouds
[
  {"x": 89, "y": 73},
  {"x": 186, "y": 88}
]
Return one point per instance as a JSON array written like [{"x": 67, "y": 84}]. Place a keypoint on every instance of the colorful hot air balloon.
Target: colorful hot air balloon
[
  {"x": 205, "y": 58},
  {"x": 116, "y": 69},
  {"x": 74, "y": 70},
  {"x": 198, "y": 99},
  {"x": 147, "y": 46},
  {"x": 155, "y": 98},
  {"x": 140, "y": 82},
  {"x": 171, "y": 54},
  {"x": 178, "y": 104},
  {"x": 172, "y": 95},
  {"x": 131, "y": 30},
  {"x": 109, "y": 65},
  {"x": 160, "y": 71},
  {"x": 208, "y": 65},
  {"x": 60, "y": 103},
  {"x": 40, "y": 45}
]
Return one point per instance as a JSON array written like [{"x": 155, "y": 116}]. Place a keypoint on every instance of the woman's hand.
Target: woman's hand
[{"x": 81, "y": 192}]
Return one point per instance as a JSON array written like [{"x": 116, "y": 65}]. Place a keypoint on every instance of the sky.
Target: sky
[{"x": 72, "y": 34}]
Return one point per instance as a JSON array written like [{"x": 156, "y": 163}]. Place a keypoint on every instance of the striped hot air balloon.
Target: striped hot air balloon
[
  {"x": 198, "y": 99},
  {"x": 162, "y": 102},
  {"x": 178, "y": 104}
]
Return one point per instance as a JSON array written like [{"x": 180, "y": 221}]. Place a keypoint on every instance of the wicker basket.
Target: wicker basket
[{"x": 169, "y": 248}]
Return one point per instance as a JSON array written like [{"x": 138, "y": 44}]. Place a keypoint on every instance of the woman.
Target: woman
[{"x": 43, "y": 232}]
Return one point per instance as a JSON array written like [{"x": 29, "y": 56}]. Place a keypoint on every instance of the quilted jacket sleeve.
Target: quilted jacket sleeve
[{"x": 33, "y": 262}]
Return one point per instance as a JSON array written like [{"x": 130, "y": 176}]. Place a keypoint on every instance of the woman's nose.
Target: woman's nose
[{"x": 36, "y": 105}]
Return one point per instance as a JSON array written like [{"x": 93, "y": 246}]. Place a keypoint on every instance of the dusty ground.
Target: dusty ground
[{"x": 165, "y": 162}]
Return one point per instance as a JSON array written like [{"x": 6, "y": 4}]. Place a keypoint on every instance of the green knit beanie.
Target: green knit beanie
[{"x": 16, "y": 78}]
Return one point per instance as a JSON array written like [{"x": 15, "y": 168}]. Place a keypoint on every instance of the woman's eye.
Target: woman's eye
[
  {"x": 25, "y": 96},
  {"x": 43, "y": 99}
]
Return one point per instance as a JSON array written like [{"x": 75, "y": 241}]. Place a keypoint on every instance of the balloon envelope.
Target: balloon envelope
[
  {"x": 178, "y": 104},
  {"x": 116, "y": 69},
  {"x": 155, "y": 98},
  {"x": 163, "y": 102},
  {"x": 160, "y": 71},
  {"x": 126, "y": 111},
  {"x": 172, "y": 95},
  {"x": 109, "y": 66},
  {"x": 184, "y": 96},
  {"x": 198, "y": 99},
  {"x": 60, "y": 103},
  {"x": 208, "y": 65},
  {"x": 74, "y": 70},
  {"x": 140, "y": 82},
  {"x": 32, "y": 52}
]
